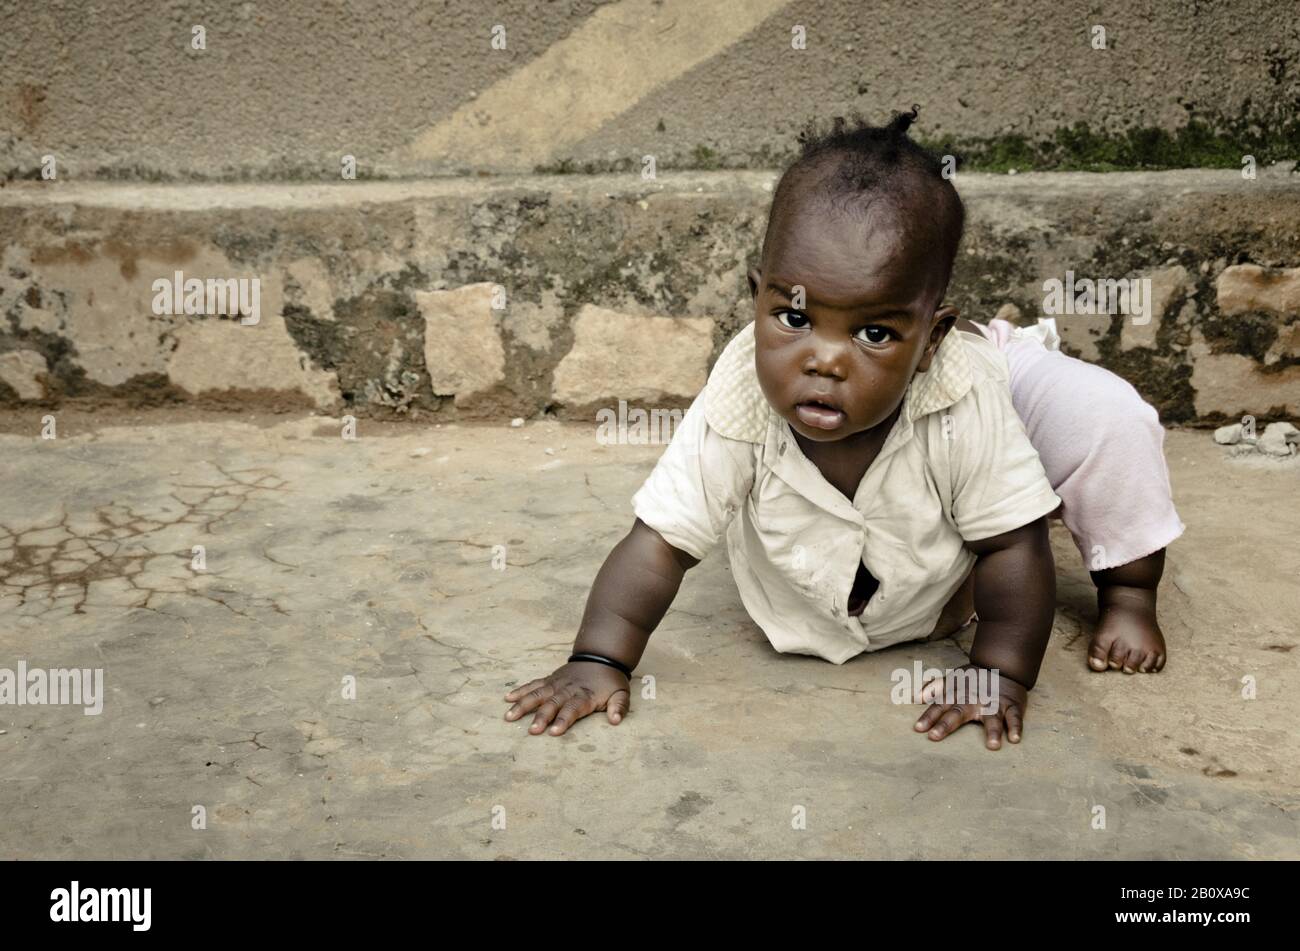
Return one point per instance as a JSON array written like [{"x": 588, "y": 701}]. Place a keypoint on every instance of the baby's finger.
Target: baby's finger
[
  {"x": 574, "y": 709},
  {"x": 931, "y": 714},
  {"x": 1014, "y": 723},
  {"x": 546, "y": 713},
  {"x": 993, "y": 731},
  {"x": 531, "y": 700},
  {"x": 523, "y": 689},
  {"x": 617, "y": 707},
  {"x": 936, "y": 691},
  {"x": 932, "y": 690},
  {"x": 954, "y": 718}
]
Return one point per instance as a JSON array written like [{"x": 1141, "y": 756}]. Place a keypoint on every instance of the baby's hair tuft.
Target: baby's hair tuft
[{"x": 851, "y": 163}]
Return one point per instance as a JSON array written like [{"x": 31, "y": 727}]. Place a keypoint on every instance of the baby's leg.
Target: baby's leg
[
  {"x": 1128, "y": 637},
  {"x": 1101, "y": 446}
]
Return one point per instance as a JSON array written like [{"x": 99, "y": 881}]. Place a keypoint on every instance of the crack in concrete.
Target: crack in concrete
[
  {"x": 269, "y": 557},
  {"x": 38, "y": 563},
  {"x": 258, "y": 744}
]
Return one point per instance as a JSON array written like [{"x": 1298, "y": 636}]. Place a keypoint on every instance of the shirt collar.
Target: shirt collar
[{"x": 735, "y": 406}]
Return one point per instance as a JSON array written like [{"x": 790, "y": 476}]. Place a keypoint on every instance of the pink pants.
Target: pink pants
[{"x": 1100, "y": 443}]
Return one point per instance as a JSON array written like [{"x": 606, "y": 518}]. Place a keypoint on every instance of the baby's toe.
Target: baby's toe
[
  {"x": 1130, "y": 658},
  {"x": 1099, "y": 650},
  {"x": 1119, "y": 652}
]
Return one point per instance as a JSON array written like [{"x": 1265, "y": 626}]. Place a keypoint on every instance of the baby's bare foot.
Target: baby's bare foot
[{"x": 1128, "y": 636}]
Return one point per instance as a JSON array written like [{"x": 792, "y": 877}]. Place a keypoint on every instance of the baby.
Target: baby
[{"x": 882, "y": 470}]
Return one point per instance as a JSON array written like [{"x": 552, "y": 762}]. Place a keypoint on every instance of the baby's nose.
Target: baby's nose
[{"x": 829, "y": 361}]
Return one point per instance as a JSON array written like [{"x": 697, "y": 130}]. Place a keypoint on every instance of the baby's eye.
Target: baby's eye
[
  {"x": 875, "y": 334},
  {"x": 792, "y": 319}
]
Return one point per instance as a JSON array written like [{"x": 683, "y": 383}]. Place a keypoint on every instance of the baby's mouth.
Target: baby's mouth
[{"x": 819, "y": 415}]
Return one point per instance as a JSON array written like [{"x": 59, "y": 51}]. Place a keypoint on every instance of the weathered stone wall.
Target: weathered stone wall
[{"x": 565, "y": 294}]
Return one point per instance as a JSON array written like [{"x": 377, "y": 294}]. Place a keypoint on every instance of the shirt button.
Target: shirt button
[{"x": 781, "y": 450}]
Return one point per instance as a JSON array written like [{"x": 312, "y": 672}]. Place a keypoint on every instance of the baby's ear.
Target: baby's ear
[
  {"x": 755, "y": 282},
  {"x": 944, "y": 319}
]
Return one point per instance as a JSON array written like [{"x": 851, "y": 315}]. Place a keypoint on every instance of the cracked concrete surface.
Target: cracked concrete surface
[{"x": 373, "y": 559}]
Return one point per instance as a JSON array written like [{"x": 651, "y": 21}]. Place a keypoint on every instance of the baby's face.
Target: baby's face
[{"x": 840, "y": 363}]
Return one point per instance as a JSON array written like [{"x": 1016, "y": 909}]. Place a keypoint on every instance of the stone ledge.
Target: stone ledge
[{"x": 378, "y": 297}]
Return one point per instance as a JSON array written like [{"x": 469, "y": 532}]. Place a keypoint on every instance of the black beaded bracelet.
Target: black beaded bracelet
[{"x": 599, "y": 659}]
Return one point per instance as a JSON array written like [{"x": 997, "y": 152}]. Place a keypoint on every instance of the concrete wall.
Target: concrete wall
[
  {"x": 411, "y": 87},
  {"x": 566, "y": 294}
]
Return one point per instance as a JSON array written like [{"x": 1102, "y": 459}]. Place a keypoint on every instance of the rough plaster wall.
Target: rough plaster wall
[
  {"x": 284, "y": 89},
  {"x": 281, "y": 86},
  {"x": 979, "y": 69}
]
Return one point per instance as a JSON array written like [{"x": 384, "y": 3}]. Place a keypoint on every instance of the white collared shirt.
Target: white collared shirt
[{"x": 957, "y": 466}]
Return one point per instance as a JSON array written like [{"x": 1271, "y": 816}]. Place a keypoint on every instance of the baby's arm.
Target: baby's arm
[
  {"x": 1000, "y": 498},
  {"x": 1015, "y": 598},
  {"x": 632, "y": 592},
  {"x": 682, "y": 511}
]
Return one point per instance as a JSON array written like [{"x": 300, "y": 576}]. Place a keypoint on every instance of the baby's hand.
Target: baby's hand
[
  {"x": 943, "y": 718},
  {"x": 572, "y": 692}
]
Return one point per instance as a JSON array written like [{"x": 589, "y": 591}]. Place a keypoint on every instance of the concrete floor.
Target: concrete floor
[{"x": 372, "y": 558}]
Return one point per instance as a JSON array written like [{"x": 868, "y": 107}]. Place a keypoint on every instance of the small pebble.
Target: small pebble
[
  {"x": 1276, "y": 440},
  {"x": 1228, "y": 435},
  {"x": 517, "y": 422}
]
